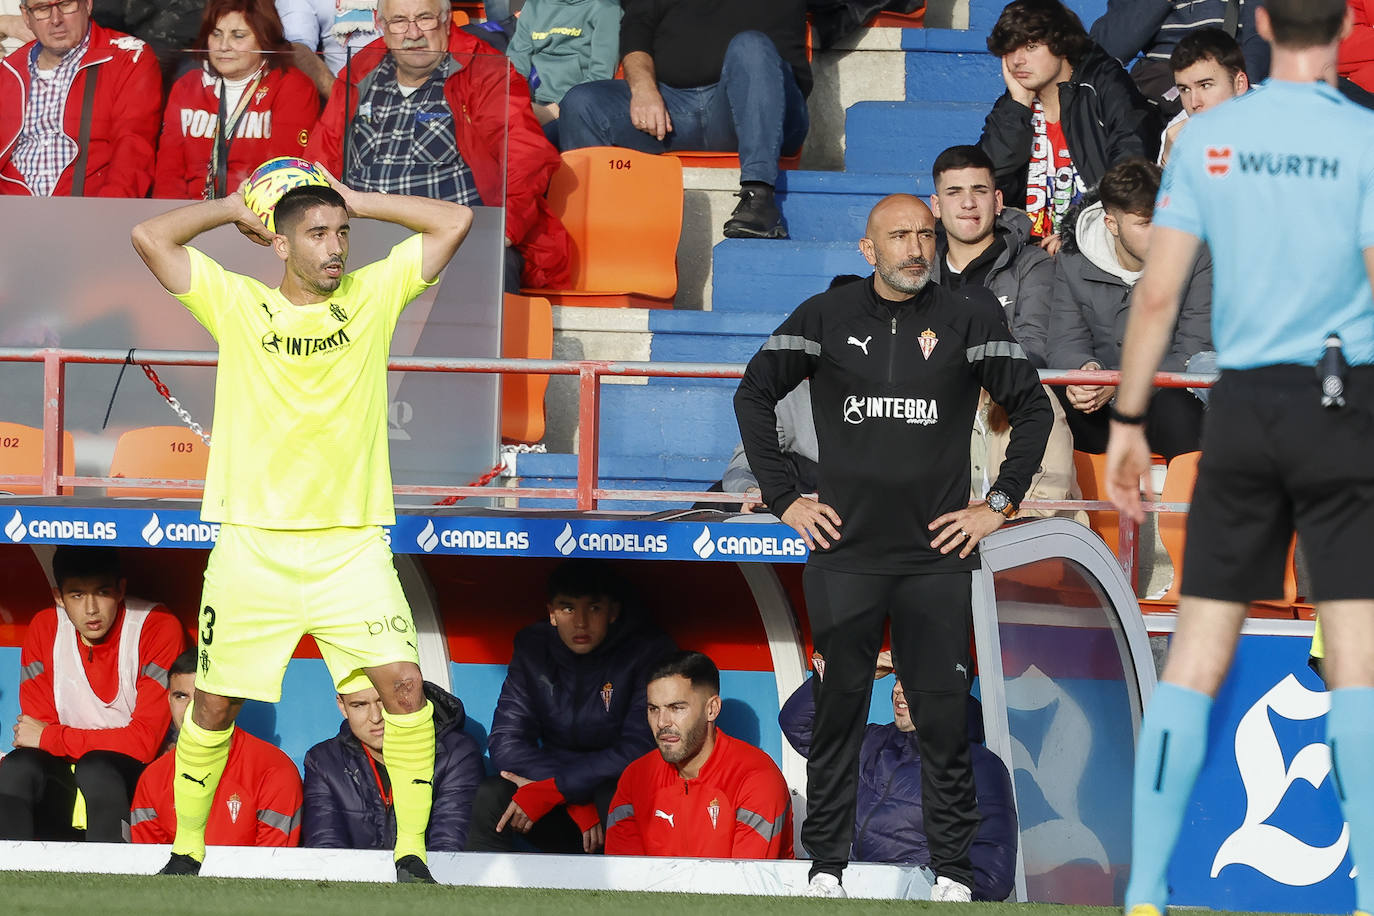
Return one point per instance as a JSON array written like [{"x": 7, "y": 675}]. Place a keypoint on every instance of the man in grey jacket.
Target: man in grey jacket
[
  {"x": 1094, "y": 276},
  {"x": 984, "y": 245}
]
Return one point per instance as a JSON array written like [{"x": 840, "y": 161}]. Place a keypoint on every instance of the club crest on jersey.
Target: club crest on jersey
[
  {"x": 235, "y": 805},
  {"x": 713, "y": 809},
  {"x": 1218, "y": 161},
  {"x": 339, "y": 314},
  {"x": 606, "y": 692},
  {"x": 259, "y": 96},
  {"x": 928, "y": 340}
]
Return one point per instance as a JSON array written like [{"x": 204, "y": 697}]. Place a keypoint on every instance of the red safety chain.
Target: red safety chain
[{"x": 482, "y": 481}]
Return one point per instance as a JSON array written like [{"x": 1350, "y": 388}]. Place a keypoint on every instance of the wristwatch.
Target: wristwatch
[{"x": 1000, "y": 502}]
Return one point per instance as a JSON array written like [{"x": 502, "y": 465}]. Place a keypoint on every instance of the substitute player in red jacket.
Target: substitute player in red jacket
[
  {"x": 91, "y": 694},
  {"x": 702, "y": 794},
  {"x": 258, "y": 802},
  {"x": 246, "y": 92}
]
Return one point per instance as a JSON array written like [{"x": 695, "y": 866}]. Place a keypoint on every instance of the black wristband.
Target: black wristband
[{"x": 1129, "y": 420}]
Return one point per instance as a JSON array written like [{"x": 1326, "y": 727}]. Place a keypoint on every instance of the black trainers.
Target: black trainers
[
  {"x": 180, "y": 864},
  {"x": 756, "y": 216},
  {"x": 413, "y": 870}
]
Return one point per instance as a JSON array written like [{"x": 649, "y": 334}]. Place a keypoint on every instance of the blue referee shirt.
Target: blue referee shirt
[{"x": 1279, "y": 183}]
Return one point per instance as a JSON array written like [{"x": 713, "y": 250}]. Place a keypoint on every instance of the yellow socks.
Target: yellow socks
[
  {"x": 200, "y": 758},
  {"x": 408, "y": 745}
]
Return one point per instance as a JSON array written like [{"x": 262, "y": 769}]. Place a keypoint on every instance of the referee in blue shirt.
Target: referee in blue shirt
[{"x": 1280, "y": 184}]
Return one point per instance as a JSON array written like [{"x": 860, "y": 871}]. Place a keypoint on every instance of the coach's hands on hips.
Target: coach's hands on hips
[
  {"x": 813, "y": 520},
  {"x": 515, "y": 815},
  {"x": 28, "y": 731},
  {"x": 965, "y": 528},
  {"x": 1128, "y": 467}
]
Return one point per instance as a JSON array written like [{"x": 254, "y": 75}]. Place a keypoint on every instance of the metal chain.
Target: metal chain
[{"x": 174, "y": 403}]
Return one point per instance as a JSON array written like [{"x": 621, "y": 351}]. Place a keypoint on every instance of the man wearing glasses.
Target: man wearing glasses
[
  {"x": 424, "y": 111},
  {"x": 79, "y": 108}
]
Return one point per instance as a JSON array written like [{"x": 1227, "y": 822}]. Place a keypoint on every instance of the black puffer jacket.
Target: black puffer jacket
[
  {"x": 343, "y": 806},
  {"x": 1105, "y": 120}
]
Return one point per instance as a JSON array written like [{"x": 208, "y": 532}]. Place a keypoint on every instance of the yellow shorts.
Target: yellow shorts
[{"x": 264, "y": 589}]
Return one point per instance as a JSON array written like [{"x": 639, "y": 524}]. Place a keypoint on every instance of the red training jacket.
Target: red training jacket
[
  {"x": 258, "y": 802},
  {"x": 1357, "y": 51},
  {"x": 738, "y": 807},
  {"x": 128, "y": 94},
  {"x": 277, "y": 123},
  {"x": 159, "y": 644},
  {"x": 484, "y": 98}
]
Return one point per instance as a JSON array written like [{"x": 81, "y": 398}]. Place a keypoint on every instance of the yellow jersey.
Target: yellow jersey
[{"x": 300, "y": 428}]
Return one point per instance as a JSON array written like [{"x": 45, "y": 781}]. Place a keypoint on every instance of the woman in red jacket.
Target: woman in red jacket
[{"x": 246, "y": 104}]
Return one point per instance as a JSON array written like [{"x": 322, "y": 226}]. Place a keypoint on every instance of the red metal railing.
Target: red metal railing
[{"x": 587, "y": 494}]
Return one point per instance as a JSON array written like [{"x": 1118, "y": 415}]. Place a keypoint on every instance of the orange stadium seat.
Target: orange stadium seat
[
  {"x": 1092, "y": 480},
  {"x": 607, "y": 196},
  {"x": 21, "y": 453},
  {"x": 526, "y": 331},
  {"x": 161, "y": 452}
]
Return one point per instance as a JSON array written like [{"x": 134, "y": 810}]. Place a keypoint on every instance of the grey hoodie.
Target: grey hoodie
[{"x": 1092, "y": 296}]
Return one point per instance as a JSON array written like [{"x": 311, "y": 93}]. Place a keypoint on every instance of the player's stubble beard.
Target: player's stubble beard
[{"x": 690, "y": 744}]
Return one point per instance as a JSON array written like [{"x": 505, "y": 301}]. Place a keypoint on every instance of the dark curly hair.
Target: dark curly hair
[{"x": 1046, "y": 21}]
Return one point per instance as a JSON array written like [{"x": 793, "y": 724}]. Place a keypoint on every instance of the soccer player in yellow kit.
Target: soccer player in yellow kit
[{"x": 300, "y": 479}]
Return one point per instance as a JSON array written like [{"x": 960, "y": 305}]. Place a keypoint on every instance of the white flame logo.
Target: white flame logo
[
  {"x": 565, "y": 541},
  {"x": 152, "y": 532},
  {"x": 428, "y": 540},
  {"x": 703, "y": 545},
  {"x": 1266, "y": 777},
  {"x": 15, "y": 528}
]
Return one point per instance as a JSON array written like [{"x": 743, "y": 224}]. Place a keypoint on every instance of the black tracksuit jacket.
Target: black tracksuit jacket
[{"x": 894, "y": 388}]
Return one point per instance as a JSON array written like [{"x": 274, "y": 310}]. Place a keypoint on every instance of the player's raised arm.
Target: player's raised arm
[
  {"x": 443, "y": 224},
  {"x": 161, "y": 241}
]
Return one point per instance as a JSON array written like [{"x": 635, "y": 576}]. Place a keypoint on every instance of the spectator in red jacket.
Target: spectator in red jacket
[
  {"x": 431, "y": 110},
  {"x": 246, "y": 104},
  {"x": 702, "y": 794},
  {"x": 1357, "y": 50},
  {"x": 50, "y": 145},
  {"x": 92, "y": 690},
  {"x": 258, "y": 802}
]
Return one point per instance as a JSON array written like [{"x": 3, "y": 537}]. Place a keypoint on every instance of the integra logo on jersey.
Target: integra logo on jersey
[
  {"x": 915, "y": 411},
  {"x": 304, "y": 346},
  {"x": 1322, "y": 168}
]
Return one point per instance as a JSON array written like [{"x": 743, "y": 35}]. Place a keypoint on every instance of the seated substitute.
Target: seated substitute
[
  {"x": 48, "y": 147},
  {"x": 1070, "y": 112},
  {"x": 257, "y": 803},
  {"x": 706, "y": 75},
  {"x": 348, "y": 797},
  {"x": 701, "y": 794},
  {"x": 889, "y": 823},
  {"x": 92, "y": 690},
  {"x": 425, "y": 111},
  {"x": 1095, "y": 274},
  {"x": 570, "y": 716}
]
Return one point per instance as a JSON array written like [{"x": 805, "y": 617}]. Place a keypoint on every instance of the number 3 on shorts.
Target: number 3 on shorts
[{"x": 207, "y": 630}]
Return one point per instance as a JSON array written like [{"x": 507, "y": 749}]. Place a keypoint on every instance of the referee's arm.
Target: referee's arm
[{"x": 1149, "y": 330}]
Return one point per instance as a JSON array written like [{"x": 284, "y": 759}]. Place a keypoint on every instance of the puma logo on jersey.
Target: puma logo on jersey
[
  {"x": 861, "y": 344},
  {"x": 658, "y": 812}
]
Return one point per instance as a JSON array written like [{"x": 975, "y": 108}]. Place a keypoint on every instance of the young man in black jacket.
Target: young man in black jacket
[
  {"x": 896, "y": 365},
  {"x": 1070, "y": 112}
]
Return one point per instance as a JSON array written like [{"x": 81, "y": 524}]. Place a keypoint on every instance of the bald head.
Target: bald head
[
  {"x": 906, "y": 209},
  {"x": 899, "y": 241}
]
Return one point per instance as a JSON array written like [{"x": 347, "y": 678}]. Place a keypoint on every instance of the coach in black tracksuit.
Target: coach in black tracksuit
[{"x": 895, "y": 364}]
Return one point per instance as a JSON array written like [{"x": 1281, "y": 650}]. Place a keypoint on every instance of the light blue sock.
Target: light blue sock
[
  {"x": 1173, "y": 743},
  {"x": 1350, "y": 735}
]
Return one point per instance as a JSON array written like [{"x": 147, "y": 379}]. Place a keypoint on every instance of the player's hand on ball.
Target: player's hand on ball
[
  {"x": 344, "y": 190},
  {"x": 248, "y": 222}
]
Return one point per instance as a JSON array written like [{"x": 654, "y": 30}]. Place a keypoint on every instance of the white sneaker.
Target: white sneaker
[
  {"x": 824, "y": 884},
  {"x": 947, "y": 891}
]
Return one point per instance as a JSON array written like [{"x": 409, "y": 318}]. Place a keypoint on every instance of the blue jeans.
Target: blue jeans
[{"x": 756, "y": 109}]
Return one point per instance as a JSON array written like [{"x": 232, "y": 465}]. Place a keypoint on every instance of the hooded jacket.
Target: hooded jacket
[
  {"x": 889, "y": 821},
  {"x": 576, "y": 719},
  {"x": 343, "y": 806},
  {"x": 124, "y": 117},
  {"x": 1021, "y": 277},
  {"x": 566, "y": 42},
  {"x": 1092, "y": 297},
  {"x": 1104, "y": 117},
  {"x": 493, "y": 123}
]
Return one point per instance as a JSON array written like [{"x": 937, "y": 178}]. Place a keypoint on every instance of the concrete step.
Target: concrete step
[
  {"x": 776, "y": 276},
  {"x": 905, "y": 137}
]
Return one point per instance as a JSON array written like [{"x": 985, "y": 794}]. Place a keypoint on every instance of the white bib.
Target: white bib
[{"x": 77, "y": 704}]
